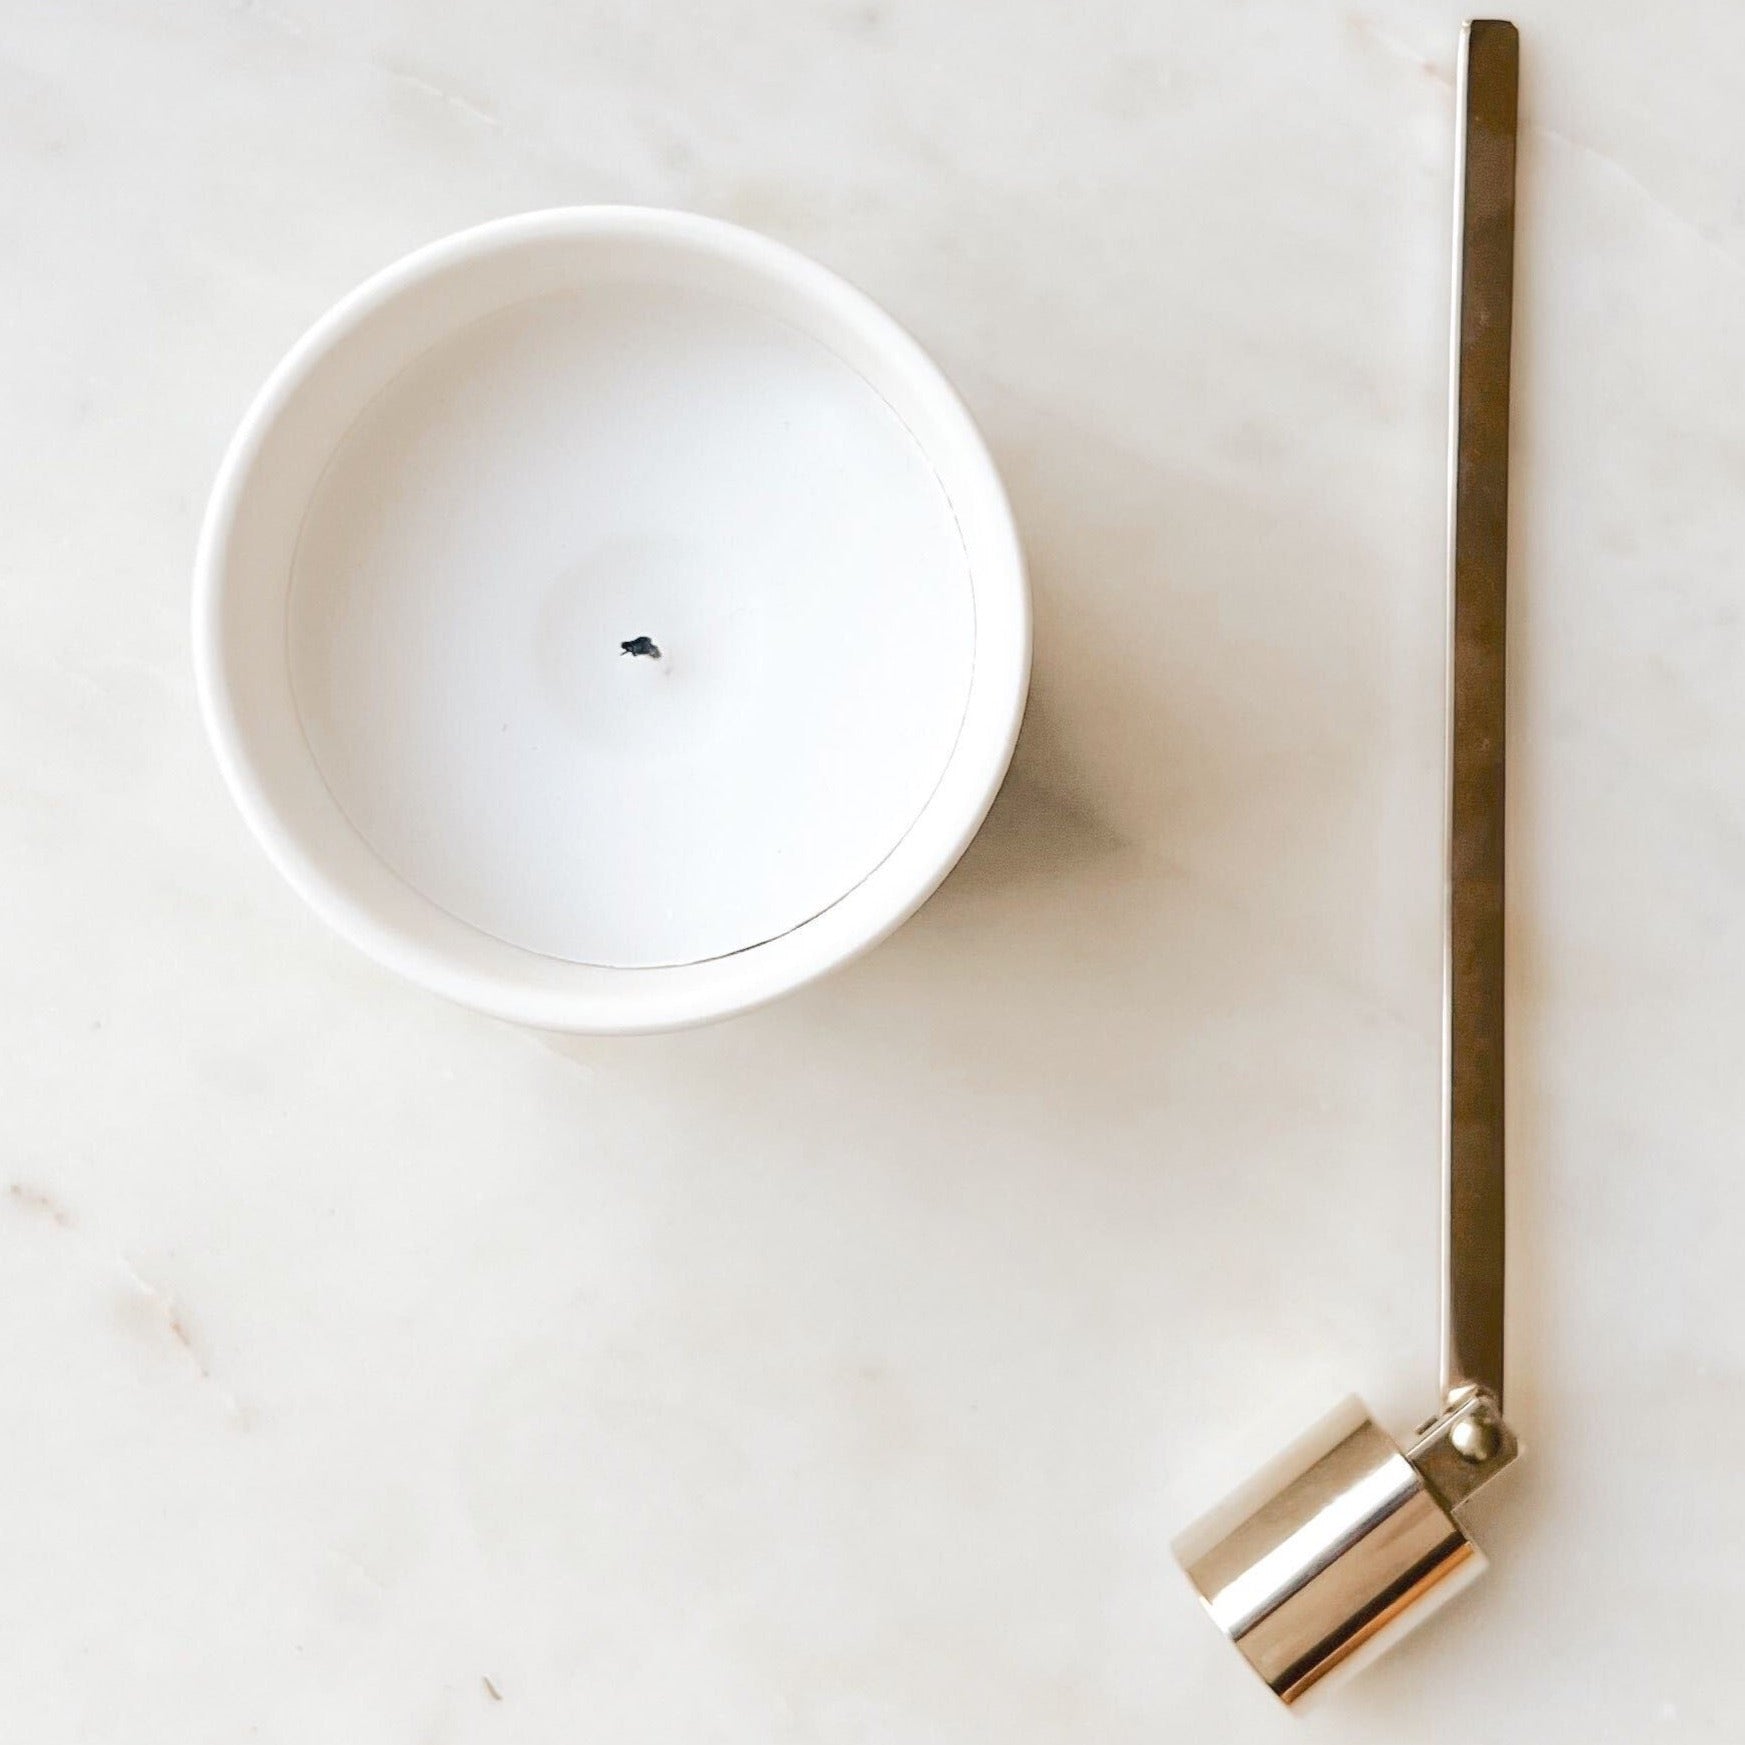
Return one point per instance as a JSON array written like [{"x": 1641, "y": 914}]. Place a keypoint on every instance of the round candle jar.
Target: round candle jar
[{"x": 610, "y": 619}]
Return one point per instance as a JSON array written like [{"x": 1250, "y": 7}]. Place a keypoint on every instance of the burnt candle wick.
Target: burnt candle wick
[{"x": 641, "y": 645}]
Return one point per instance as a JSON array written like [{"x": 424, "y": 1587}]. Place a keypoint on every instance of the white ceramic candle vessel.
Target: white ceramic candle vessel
[{"x": 610, "y": 619}]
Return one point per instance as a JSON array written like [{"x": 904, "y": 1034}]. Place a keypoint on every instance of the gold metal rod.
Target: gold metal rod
[{"x": 1478, "y": 531}]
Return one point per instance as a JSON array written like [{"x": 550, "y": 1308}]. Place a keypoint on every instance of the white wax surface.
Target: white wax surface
[{"x": 580, "y": 471}]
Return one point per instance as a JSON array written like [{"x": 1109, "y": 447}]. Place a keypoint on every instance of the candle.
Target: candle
[{"x": 611, "y": 619}]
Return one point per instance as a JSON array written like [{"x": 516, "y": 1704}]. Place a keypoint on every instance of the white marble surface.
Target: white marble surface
[{"x": 373, "y": 1372}]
